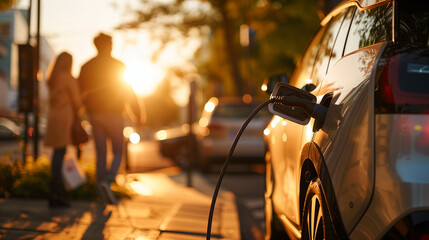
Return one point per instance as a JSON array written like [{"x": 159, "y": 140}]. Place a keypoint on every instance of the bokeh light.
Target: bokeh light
[
  {"x": 134, "y": 138},
  {"x": 127, "y": 131},
  {"x": 161, "y": 135}
]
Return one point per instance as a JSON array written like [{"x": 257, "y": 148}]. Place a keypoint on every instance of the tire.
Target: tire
[{"x": 316, "y": 222}]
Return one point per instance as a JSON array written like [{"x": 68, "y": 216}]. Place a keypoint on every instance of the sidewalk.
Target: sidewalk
[{"x": 163, "y": 210}]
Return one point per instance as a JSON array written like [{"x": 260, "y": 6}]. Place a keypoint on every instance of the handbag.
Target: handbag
[
  {"x": 78, "y": 134},
  {"x": 73, "y": 175}
]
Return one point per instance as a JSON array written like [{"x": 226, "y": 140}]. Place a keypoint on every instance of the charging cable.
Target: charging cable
[
  {"x": 228, "y": 159},
  {"x": 313, "y": 110}
]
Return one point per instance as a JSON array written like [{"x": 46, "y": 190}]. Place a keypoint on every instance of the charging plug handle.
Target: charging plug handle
[{"x": 316, "y": 111}]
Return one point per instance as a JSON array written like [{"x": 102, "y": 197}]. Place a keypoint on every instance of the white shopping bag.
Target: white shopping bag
[{"x": 73, "y": 174}]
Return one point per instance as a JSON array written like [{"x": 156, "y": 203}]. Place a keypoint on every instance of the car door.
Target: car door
[
  {"x": 346, "y": 139},
  {"x": 284, "y": 142},
  {"x": 288, "y": 138}
]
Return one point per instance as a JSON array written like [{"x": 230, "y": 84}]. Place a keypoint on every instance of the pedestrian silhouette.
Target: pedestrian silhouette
[
  {"x": 105, "y": 94},
  {"x": 64, "y": 103}
]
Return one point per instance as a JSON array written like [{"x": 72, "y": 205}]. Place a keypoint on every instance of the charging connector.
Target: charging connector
[{"x": 312, "y": 109}]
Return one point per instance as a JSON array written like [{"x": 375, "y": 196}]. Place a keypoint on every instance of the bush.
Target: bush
[
  {"x": 8, "y": 174},
  {"x": 32, "y": 180}
]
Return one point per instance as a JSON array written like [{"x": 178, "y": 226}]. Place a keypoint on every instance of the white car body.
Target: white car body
[{"x": 367, "y": 168}]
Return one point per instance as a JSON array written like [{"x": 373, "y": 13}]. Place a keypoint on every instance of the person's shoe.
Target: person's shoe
[
  {"x": 58, "y": 203},
  {"x": 107, "y": 192}
]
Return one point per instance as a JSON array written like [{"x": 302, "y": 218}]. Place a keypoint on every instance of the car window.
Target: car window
[
  {"x": 304, "y": 68},
  {"x": 370, "y": 27},
  {"x": 414, "y": 22},
  {"x": 325, "y": 49},
  {"x": 337, "y": 51}
]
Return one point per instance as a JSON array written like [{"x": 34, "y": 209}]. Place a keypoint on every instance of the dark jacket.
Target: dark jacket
[{"x": 102, "y": 85}]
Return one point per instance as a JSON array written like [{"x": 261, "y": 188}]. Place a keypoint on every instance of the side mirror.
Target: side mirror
[
  {"x": 298, "y": 105},
  {"x": 271, "y": 81}
]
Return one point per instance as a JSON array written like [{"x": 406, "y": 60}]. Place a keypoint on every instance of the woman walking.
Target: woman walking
[{"x": 64, "y": 102}]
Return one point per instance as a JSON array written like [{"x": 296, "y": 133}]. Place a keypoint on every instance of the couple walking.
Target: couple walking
[{"x": 101, "y": 90}]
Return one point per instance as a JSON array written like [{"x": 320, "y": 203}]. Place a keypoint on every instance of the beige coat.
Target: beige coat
[{"x": 64, "y": 101}]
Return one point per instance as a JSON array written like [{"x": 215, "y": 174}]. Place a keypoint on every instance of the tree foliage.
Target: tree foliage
[{"x": 281, "y": 30}]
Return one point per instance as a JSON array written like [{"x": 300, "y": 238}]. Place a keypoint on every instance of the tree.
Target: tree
[
  {"x": 325, "y": 6},
  {"x": 182, "y": 18},
  {"x": 283, "y": 28},
  {"x": 6, "y": 4}
]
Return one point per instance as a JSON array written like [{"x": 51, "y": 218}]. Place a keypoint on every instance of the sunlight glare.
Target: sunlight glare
[
  {"x": 144, "y": 76},
  {"x": 141, "y": 189}
]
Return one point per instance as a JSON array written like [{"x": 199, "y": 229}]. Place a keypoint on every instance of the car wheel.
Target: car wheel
[{"x": 316, "y": 224}]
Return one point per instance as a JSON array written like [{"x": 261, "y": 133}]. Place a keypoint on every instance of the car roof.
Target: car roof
[
  {"x": 370, "y": 3},
  {"x": 361, "y": 4}
]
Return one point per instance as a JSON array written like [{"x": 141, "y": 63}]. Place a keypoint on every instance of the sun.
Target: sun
[{"x": 143, "y": 76}]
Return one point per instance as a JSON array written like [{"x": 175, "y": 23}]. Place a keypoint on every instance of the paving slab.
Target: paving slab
[{"x": 161, "y": 209}]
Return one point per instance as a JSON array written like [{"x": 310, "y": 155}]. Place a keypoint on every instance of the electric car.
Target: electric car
[
  {"x": 359, "y": 167},
  {"x": 220, "y": 121}
]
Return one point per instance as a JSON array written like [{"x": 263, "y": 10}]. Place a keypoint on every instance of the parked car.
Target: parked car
[
  {"x": 214, "y": 132},
  {"x": 220, "y": 121},
  {"x": 361, "y": 170}
]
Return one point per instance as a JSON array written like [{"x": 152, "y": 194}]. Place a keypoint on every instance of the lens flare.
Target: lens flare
[{"x": 143, "y": 76}]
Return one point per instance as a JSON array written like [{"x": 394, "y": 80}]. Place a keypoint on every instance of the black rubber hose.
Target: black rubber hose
[{"x": 228, "y": 159}]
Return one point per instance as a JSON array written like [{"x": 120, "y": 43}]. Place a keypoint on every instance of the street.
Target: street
[
  {"x": 245, "y": 181},
  {"x": 247, "y": 184}
]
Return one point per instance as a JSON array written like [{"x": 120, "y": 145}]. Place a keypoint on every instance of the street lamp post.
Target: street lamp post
[
  {"x": 36, "y": 88},
  {"x": 192, "y": 146}
]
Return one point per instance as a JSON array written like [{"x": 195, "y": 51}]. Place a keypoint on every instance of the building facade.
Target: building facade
[{"x": 13, "y": 32}]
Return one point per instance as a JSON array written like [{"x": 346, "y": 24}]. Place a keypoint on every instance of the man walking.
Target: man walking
[{"x": 105, "y": 94}]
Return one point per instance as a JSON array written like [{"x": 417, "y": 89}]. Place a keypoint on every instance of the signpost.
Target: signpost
[{"x": 28, "y": 95}]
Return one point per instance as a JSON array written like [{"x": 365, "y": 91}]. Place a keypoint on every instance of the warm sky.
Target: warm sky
[{"x": 70, "y": 25}]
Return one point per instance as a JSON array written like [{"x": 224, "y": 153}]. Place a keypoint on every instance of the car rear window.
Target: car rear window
[
  {"x": 414, "y": 75},
  {"x": 404, "y": 80}
]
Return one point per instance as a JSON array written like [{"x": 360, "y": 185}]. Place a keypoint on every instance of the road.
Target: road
[
  {"x": 11, "y": 148},
  {"x": 245, "y": 181}
]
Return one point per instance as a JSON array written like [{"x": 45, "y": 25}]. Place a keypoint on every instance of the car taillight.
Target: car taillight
[
  {"x": 424, "y": 236},
  {"x": 414, "y": 226},
  {"x": 402, "y": 85},
  {"x": 404, "y": 80}
]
